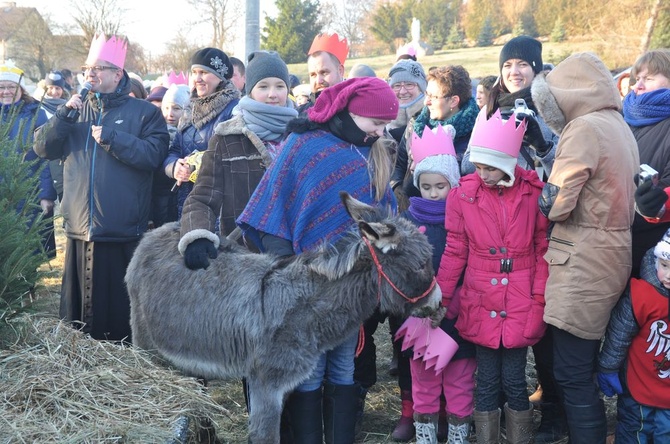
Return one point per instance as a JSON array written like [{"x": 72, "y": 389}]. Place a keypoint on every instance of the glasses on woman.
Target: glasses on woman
[
  {"x": 9, "y": 87},
  {"x": 432, "y": 97},
  {"x": 400, "y": 85},
  {"x": 97, "y": 68}
]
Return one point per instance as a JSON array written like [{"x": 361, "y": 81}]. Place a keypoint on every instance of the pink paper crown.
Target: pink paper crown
[
  {"x": 331, "y": 43},
  {"x": 406, "y": 49},
  {"x": 112, "y": 50},
  {"x": 172, "y": 78},
  {"x": 498, "y": 134},
  {"x": 439, "y": 140}
]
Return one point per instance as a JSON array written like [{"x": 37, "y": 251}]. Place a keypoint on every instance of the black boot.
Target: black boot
[
  {"x": 339, "y": 412},
  {"x": 587, "y": 423},
  {"x": 553, "y": 426},
  {"x": 304, "y": 411}
]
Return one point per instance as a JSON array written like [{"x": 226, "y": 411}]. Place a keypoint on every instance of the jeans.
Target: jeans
[
  {"x": 640, "y": 424},
  {"x": 575, "y": 367},
  {"x": 335, "y": 366}
]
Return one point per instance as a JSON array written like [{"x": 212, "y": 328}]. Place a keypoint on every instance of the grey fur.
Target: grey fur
[
  {"x": 267, "y": 318},
  {"x": 546, "y": 104}
]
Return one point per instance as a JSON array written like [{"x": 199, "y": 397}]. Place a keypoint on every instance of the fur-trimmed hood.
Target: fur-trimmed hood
[{"x": 581, "y": 75}]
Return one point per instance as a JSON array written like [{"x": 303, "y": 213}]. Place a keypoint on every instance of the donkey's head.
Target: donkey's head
[{"x": 402, "y": 257}]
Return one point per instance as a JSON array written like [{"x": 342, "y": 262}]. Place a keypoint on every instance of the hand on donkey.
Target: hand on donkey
[{"x": 198, "y": 253}]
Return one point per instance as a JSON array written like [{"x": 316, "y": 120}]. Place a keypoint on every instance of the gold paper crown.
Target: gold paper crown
[{"x": 331, "y": 43}]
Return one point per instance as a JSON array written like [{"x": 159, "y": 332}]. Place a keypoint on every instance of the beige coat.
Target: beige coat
[{"x": 589, "y": 251}]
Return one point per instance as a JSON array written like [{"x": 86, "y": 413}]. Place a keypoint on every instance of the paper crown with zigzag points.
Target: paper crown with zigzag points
[
  {"x": 112, "y": 50},
  {"x": 172, "y": 78},
  {"x": 498, "y": 134},
  {"x": 439, "y": 140},
  {"x": 332, "y": 43}
]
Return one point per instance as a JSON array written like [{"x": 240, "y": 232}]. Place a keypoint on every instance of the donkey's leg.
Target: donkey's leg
[{"x": 265, "y": 405}]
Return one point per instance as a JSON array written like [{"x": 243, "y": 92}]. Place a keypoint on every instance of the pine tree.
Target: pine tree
[
  {"x": 456, "y": 37},
  {"x": 21, "y": 251},
  {"x": 485, "y": 37},
  {"x": 292, "y": 32},
  {"x": 518, "y": 28},
  {"x": 558, "y": 33}
]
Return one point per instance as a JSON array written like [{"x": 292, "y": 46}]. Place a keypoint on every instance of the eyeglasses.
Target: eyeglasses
[
  {"x": 11, "y": 87},
  {"x": 97, "y": 68},
  {"x": 400, "y": 85},
  {"x": 432, "y": 97}
]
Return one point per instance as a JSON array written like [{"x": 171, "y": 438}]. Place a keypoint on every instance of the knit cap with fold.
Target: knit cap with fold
[
  {"x": 262, "y": 65},
  {"x": 364, "y": 96},
  {"x": 523, "y": 48}
]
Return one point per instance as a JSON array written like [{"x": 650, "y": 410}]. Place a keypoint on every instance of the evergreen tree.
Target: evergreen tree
[
  {"x": 456, "y": 37},
  {"x": 485, "y": 37},
  {"x": 292, "y": 32},
  {"x": 518, "y": 28},
  {"x": 21, "y": 251},
  {"x": 558, "y": 33},
  {"x": 391, "y": 22},
  {"x": 436, "y": 17}
]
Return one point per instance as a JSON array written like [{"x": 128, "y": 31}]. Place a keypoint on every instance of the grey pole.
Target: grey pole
[{"x": 252, "y": 36}]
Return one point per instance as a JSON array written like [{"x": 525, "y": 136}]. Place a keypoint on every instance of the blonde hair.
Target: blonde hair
[{"x": 381, "y": 165}]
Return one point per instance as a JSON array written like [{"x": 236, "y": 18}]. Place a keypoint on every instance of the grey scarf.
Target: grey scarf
[{"x": 268, "y": 122}]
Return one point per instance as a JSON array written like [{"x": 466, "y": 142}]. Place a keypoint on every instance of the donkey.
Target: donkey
[{"x": 267, "y": 318}]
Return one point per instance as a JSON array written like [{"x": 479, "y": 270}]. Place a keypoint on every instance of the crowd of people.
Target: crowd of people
[{"x": 544, "y": 234}]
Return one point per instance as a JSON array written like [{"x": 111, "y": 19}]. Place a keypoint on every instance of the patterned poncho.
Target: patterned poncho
[{"x": 298, "y": 197}]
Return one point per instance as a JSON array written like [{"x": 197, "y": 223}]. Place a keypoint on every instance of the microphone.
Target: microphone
[{"x": 73, "y": 114}]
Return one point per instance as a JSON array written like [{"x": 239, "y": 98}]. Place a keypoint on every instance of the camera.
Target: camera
[
  {"x": 520, "y": 107},
  {"x": 647, "y": 174}
]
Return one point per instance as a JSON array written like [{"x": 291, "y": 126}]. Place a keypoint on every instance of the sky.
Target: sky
[{"x": 150, "y": 23}]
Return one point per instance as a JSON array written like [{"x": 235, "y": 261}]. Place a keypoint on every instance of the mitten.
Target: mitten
[
  {"x": 533, "y": 135},
  {"x": 649, "y": 199},
  {"x": 198, "y": 253},
  {"x": 609, "y": 384}
]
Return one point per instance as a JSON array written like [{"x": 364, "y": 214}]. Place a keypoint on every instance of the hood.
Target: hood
[{"x": 579, "y": 85}]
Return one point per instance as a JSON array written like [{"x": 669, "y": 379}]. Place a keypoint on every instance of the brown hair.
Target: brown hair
[
  {"x": 656, "y": 61},
  {"x": 453, "y": 80}
]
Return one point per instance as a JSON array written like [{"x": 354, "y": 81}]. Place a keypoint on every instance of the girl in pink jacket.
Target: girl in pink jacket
[{"x": 497, "y": 235}]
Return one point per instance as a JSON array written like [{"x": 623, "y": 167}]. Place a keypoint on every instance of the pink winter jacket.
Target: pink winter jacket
[{"x": 499, "y": 236}]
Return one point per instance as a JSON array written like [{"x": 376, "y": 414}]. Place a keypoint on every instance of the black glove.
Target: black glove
[
  {"x": 649, "y": 199},
  {"x": 533, "y": 135},
  {"x": 197, "y": 254}
]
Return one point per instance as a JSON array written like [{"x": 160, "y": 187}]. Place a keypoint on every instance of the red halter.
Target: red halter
[{"x": 381, "y": 274}]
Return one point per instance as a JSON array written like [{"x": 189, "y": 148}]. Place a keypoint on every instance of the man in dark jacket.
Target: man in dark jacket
[{"x": 111, "y": 144}]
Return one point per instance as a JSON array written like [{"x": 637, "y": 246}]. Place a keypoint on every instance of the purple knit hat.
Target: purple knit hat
[{"x": 365, "y": 96}]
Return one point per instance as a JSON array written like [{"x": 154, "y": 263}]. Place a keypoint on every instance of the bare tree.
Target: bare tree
[
  {"x": 347, "y": 19},
  {"x": 222, "y": 16},
  {"x": 177, "y": 55},
  {"x": 103, "y": 16},
  {"x": 649, "y": 26}
]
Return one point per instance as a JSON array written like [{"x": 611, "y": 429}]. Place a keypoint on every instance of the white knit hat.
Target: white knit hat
[
  {"x": 177, "y": 94},
  {"x": 662, "y": 248},
  {"x": 444, "y": 164},
  {"x": 9, "y": 72},
  {"x": 495, "y": 159}
]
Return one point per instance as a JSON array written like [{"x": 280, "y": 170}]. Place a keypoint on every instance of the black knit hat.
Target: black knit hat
[
  {"x": 55, "y": 78},
  {"x": 264, "y": 64},
  {"x": 523, "y": 48},
  {"x": 213, "y": 60}
]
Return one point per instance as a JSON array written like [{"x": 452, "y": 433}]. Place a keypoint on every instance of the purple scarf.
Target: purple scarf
[
  {"x": 648, "y": 108},
  {"x": 427, "y": 211}
]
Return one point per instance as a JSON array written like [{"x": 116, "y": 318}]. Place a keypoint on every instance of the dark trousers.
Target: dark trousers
[
  {"x": 501, "y": 368},
  {"x": 575, "y": 366},
  {"x": 544, "y": 366}
]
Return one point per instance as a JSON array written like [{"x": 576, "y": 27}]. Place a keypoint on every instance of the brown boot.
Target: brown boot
[
  {"x": 488, "y": 426},
  {"x": 536, "y": 397},
  {"x": 519, "y": 425}
]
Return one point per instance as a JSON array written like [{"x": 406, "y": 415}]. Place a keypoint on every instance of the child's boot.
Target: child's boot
[
  {"x": 488, "y": 426},
  {"x": 459, "y": 428},
  {"x": 519, "y": 425},
  {"x": 426, "y": 428},
  {"x": 404, "y": 430}
]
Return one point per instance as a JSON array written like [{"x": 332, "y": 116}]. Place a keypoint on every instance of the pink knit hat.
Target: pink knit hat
[{"x": 365, "y": 96}]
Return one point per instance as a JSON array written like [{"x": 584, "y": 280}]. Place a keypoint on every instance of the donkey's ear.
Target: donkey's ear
[
  {"x": 357, "y": 210},
  {"x": 383, "y": 236}
]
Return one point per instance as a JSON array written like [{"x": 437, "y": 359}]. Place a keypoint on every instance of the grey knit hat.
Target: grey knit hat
[
  {"x": 264, "y": 64},
  {"x": 407, "y": 70},
  {"x": 523, "y": 48},
  {"x": 213, "y": 60}
]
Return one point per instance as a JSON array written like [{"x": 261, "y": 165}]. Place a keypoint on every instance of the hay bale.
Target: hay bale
[{"x": 59, "y": 385}]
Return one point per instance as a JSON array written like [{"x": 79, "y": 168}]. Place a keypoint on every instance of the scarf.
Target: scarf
[
  {"x": 427, "y": 211},
  {"x": 342, "y": 125},
  {"x": 202, "y": 110},
  {"x": 506, "y": 99},
  {"x": 463, "y": 121},
  {"x": 648, "y": 108},
  {"x": 268, "y": 122}
]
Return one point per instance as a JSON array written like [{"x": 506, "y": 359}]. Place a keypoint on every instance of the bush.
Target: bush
[{"x": 21, "y": 250}]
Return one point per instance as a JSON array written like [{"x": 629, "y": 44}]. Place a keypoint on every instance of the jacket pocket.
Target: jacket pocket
[
  {"x": 469, "y": 317},
  {"x": 535, "y": 326},
  {"x": 554, "y": 256}
]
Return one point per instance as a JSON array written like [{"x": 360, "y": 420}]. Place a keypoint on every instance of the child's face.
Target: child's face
[
  {"x": 663, "y": 272},
  {"x": 489, "y": 175},
  {"x": 434, "y": 186}
]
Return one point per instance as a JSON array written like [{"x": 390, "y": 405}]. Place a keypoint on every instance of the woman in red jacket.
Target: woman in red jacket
[{"x": 496, "y": 233}]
